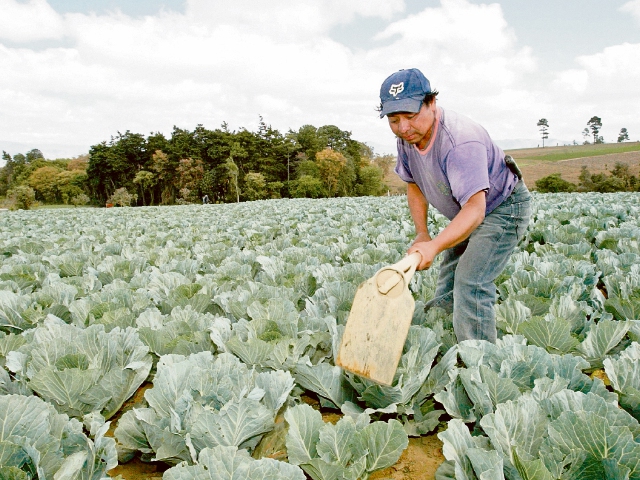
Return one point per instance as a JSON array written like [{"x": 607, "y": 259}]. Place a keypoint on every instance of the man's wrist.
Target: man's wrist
[{"x": 422, "y": 237}]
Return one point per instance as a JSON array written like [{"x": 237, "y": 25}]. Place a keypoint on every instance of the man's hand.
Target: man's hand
[{"x": 427, "y": 250}]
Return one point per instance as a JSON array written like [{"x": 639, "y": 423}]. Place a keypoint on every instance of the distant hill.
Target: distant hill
[{"x": 536, "y": 163}]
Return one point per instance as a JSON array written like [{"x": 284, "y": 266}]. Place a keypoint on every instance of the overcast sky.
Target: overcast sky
[{"x": 75, "y": 72}]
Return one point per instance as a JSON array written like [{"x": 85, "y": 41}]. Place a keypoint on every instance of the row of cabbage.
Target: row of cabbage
[{"x": 234, "y": 311}]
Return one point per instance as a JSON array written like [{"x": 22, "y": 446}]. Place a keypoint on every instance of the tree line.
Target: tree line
[
  {"x": 223, "y": 165},
  {"x": 55, "y": 181}
]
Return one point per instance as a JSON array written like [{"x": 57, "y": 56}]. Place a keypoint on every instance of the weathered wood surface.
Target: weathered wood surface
[{"x": 379, "y": 322}]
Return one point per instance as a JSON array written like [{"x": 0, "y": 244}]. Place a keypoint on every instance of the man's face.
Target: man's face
[{"x": 414, "y": 127}]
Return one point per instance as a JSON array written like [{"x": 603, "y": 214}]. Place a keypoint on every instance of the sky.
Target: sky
[{"x": 74, "y": 73}]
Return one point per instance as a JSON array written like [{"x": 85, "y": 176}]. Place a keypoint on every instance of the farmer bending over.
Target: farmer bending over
[{"x": 450, "y": 162}]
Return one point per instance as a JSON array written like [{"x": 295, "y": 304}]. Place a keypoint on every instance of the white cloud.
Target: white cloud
[
  {"x": 31, "y": 21},
  {"x": 471, "y": 55},
  {"x": 288, "y": 19},
  {"x": 233, "y": 61},
  {"x": 153, "y": 72},
  {"x": 605, "y": 84},
  {"x": 632, "y": 7}
]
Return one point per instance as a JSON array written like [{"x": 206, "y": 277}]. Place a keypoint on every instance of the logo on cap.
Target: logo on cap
[{"x": 396, "y": 89}]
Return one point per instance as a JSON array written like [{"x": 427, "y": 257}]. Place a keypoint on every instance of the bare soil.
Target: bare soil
[{"x": 419, "y": 461}]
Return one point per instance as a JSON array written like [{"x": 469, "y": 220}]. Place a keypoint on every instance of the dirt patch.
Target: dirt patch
[
  {"x": 419, "y": 461},
  {"x": 139, "y": 470}
]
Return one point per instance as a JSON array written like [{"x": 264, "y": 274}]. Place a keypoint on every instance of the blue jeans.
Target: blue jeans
[{"x": 468, "y": 271}]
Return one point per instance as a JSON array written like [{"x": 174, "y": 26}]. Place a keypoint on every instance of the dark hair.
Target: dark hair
[{"x": 428, "y": 98}]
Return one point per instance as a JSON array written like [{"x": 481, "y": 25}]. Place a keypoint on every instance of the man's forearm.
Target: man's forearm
[
  {"x": 458, "y": 230},
  {"x": 467, "y": 220},
  {"x": 418, "y": 207}
]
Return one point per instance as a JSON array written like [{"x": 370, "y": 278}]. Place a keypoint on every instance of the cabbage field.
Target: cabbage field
[{"x": 230, "y": 315}]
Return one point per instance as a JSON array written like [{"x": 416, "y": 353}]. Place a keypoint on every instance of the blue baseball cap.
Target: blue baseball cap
[{"x": 403, "y": 91}]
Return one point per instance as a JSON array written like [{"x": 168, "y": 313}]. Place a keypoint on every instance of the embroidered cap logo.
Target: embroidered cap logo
[{"x": 396, "y": 89}]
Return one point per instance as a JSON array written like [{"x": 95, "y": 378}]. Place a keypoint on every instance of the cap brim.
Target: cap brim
[{"x": 411, "y": 105}]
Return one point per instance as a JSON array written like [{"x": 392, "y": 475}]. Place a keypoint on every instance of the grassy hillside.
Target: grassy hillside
[{"x": 555, "y": 154}]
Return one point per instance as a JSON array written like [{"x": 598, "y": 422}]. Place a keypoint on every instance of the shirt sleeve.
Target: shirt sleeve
[
  {"x": 402, "y": 165},
  {"x": 467, "y": 171}
]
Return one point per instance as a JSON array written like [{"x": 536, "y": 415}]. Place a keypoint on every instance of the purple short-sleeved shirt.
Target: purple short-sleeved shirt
[{"x": 460, "y": 161}]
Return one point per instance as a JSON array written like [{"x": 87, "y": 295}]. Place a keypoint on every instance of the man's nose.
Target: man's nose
[{"x": 403, "y": 125}]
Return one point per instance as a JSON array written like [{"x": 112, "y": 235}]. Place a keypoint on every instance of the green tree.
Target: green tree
[
  {"x": 623, "y": 172},
  {"x": 70, "y": 184},
  {"x": 585, "y": 135},
  {"x": 164, "y": 170},
  {"x": 595, "y": 124},
  {"x": 334, "y": 138},
  {"x": 21, "y": 197},
  {"x": 543, "y": 125},
  {"x": 6, "y": 174},
  {"x": 189, "y": 175},
  {"x": 349, "y": 178},
  {"x": 371, "y": 181},
  {"x": 226, "y": 157},
  {"x": 116, "y": 163},
  {"x": 304, "y": 166},
  {"x": 232, "y": 175},
  {"x": 145, "y": 181},
  {"x": 309, "y": 141},
  {"x": 274, "y": 189},
  {"x": 623, "y": 135},
  {"x": 33, "y": 155},
  {"x": 307, "y": 187},
  {"x": 255, "y": 186},
  {"x": 331, "y": 166},
  {"x": 554, "y": 183},
  {"x": 44, "y": 183},
  {"x": 604, "y": 183}
]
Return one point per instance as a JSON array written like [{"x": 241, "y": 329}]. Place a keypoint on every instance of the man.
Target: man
[{"x": 450, "y": 162}]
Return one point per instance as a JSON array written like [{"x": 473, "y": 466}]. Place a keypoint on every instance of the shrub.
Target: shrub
[
  {"x": 554, "y": 183},
  {"x": 122, "y": 197},
  {"x": 21, "y": 197},
  {"x": 81, "y": 199}
]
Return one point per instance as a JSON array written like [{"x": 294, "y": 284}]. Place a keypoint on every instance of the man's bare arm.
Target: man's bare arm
[
  {"x": 418, "y": 206},
  {"x": 466, "y": 221}
]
